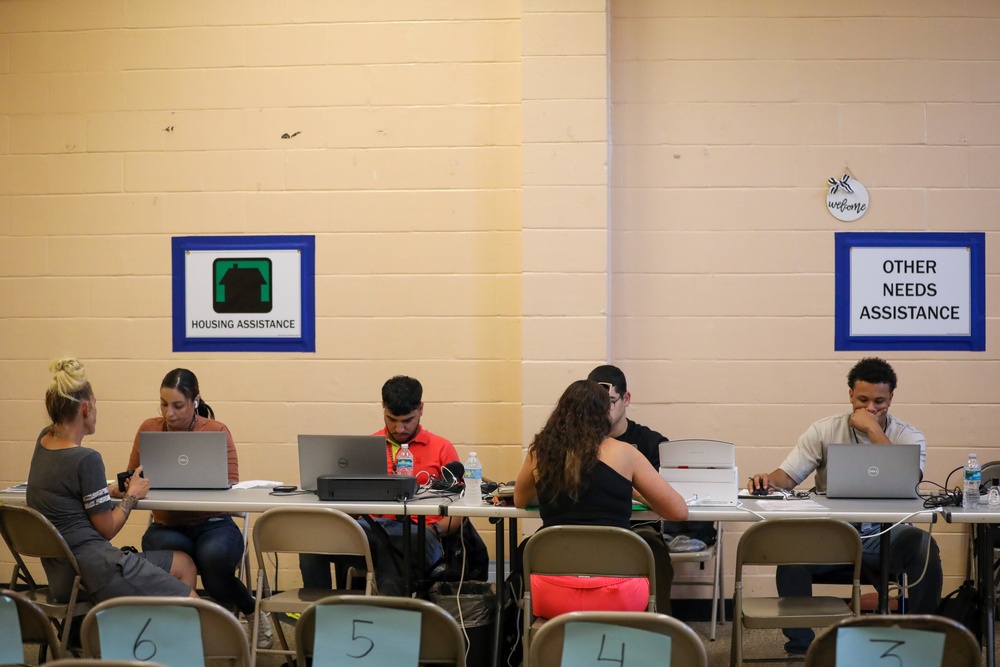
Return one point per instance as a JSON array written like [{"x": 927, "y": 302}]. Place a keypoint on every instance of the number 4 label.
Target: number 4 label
[{"x": 603, "y": 645}]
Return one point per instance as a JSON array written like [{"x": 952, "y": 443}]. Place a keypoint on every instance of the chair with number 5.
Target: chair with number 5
[
  {"x": 391, "y": 630},
  {"x": 173, "y": 631}
]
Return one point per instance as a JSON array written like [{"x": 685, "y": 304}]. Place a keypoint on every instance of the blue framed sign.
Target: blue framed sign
[
  {"x": 244, "y": 293},
  {"x": 910, "y": 291}
]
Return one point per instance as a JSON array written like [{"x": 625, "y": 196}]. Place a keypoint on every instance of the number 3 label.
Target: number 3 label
[
  {"x": 366, "y": 636},
  {"x": 863, "y": 646}
]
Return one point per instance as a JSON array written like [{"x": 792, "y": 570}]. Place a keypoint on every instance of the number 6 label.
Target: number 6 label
[
  {"x": 366, "y": 636},
  {"x": 149, "y": 633},
  {"x": 602, "y": 645},
  {"x": 888, "y": 647}
]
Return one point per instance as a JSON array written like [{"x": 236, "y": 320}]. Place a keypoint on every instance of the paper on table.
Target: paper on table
[
  {"x": 17, "y": 488},
  {"x": 256, "y": 484},
  {"x": 790, "y": 505}
]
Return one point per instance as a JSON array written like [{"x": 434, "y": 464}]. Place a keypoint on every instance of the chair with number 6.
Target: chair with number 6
[
  {"x": 643, "y": 637},
  {"x": 173, "y": 631},
  {"x": 898, "y": 640},
  {"x": 385, "y": 630}
]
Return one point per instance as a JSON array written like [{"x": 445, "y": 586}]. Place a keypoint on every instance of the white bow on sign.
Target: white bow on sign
[{"x": 846, "y": 200}]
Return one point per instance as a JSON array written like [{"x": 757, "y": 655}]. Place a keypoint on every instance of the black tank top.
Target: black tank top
[{"x": 605, "y": 500}]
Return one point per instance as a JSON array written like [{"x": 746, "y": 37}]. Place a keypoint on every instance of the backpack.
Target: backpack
[
  {"x": 963, "y": 605},
  {"x": 477, "y": 557}
]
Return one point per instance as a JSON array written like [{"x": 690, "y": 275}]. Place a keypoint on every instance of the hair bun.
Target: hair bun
[{"x": 68, "y": 375}]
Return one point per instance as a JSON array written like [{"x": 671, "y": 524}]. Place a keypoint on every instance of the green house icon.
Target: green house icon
[{"x": 242, "y": 285}]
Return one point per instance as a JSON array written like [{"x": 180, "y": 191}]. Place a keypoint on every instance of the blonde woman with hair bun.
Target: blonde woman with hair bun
[{"x": 67, "y": 483}]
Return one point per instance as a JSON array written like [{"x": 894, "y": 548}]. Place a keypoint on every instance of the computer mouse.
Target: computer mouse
[{"x": 760, "y": 491}]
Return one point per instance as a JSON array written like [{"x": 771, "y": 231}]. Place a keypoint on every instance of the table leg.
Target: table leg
[
  {"x": 987, "y": 592},
  {"x": 407, "y": 576},
  {"x": 501, "y": 592},
  {"x": 883, "y": 566}
]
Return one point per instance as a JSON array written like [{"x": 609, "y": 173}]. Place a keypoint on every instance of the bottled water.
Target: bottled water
[
  {"x": 473, "y": 480},
  {"x": 973, "y": 477},
  {"x": 404, "y": 461}
]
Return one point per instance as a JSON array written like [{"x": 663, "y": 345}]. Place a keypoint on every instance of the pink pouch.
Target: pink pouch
[{"x": 552, "y": 595}]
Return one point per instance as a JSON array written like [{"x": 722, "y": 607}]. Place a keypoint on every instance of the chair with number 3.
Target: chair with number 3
[
  {"x": 609, "y": 635},
  {"x": 896, "y": 640},
  {"x": 148, "y": 628},
  {"x": 403, "y": 631}
]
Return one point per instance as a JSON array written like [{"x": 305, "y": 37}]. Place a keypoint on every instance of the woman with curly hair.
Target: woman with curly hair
[
  {"x": 583, "y": 477},
  {"x": 580, "y": 476}
]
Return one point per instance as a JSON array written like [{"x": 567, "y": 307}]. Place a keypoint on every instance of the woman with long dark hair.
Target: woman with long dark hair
[
  {"x": 580, "y": 476},
  {"x": 212, "y": 539}
]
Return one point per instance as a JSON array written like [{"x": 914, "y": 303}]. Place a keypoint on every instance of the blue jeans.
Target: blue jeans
[
  {"x": 907, "y": 554},
  {"x": 315, "y": 568},
  {"x": 216, "y": 546}
]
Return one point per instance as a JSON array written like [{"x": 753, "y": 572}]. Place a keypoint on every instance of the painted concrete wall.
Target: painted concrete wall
[{"x": 503, "y": 194}]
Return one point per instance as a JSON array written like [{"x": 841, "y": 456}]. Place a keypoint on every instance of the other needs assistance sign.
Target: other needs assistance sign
[{"x": 910, "y": 291}]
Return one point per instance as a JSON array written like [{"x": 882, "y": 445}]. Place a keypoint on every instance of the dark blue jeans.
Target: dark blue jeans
[
  {"x": 907, "y": 554},
  {"x": 216, "y": 546},
  {"x": 315, "y": 568}
]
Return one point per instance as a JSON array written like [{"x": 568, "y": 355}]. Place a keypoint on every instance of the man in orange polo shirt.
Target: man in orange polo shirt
[{"x": 402, "y": 408}]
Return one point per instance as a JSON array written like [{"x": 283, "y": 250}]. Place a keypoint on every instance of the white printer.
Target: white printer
[{"x": 702, "y": 471}]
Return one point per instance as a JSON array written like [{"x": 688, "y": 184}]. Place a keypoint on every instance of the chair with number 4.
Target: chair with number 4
[
  {"x": 896, "y": 640},
  {"x": 394, "y": 630},
  {"x": 148, "y": 628},
  {"x": 609, "y": 635}
]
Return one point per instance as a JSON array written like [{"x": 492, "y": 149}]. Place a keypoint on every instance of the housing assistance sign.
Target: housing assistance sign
[
  {"x": 910, "y": 291},
  {"x": 244, "y": 293}
]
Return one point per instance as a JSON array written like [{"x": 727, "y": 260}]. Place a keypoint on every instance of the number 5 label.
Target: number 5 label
[
  {"x": 366, "y": 636},
  {"x": 601, "y": 645},
  {"x": 888, "y": 647}
]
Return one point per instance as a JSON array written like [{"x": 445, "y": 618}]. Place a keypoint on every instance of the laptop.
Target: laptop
[
  {"x": 185, "y": 459},
  {"x": 340, "y": 455},
  {"x": 872, "y": 471},
  {"x": 703, "y": 471}
]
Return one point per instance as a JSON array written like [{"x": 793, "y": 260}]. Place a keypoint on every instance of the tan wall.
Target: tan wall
[
  {"x": 726, "y": 125},
  {"x": 453, "y": 162}
]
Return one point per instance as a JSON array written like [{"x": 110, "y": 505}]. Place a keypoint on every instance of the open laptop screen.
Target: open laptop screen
[
  {"x": 872, "y": 471},
  {"x": 185, "y": 459},
  {"x": 341, "y": 455}
]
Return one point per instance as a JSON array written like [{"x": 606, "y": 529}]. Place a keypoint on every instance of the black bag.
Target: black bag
[
  {"x": 962, "y": 605},
  {"x": 477, "y": 557}
]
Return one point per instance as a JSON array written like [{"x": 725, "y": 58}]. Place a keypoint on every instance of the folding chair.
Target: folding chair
[
  {"x": 97, "y": 662},
  {"x": 793, "y": 542},
  {"x": 222, "y": 636},
  {"x": 36, "y": 628},
  {"x": 960, "y": 647},
  {"x": 584, "y": 551},
  {"x": 301, "y": 530},
  {"x": 713, "y": 554},
  {"x": 441, "y": 640},
  {"x": 685, "y": 646},
  {"x": 28, "y": 533}
]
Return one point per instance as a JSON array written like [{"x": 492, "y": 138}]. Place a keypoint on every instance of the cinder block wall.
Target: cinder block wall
[
  {"x": 727, "y": 122},
  {"x": 497, "y": 205}
]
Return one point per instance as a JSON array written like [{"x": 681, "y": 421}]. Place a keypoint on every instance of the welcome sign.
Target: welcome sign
[
  {"x": 244, "y": 293},
  {"x": 910, "y": 291}
]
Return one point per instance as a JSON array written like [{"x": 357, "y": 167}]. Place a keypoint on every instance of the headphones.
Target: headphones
[{"x": 196, "y": 404}]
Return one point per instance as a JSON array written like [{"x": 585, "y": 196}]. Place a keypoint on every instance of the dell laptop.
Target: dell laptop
[
  {"x": 872, "y": 471},
  {"x": 185, "y": 459},
  {"x": 341, "y": 455}
]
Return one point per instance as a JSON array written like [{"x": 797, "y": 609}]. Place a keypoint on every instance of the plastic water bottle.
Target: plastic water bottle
[
  {"x": 973, "y": 477},
  {"x": 473, "y": 480},
  {"x": 404, "y": 461}
]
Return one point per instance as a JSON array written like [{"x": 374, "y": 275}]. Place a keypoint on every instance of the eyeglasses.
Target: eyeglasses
[{"x": 609, "y": 387}]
